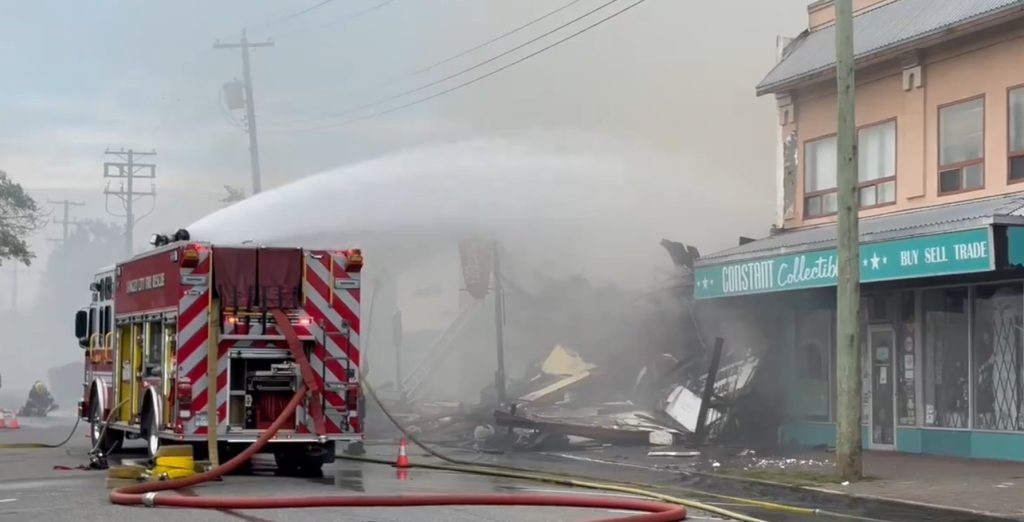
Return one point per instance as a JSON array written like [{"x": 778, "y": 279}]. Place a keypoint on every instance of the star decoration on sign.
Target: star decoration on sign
[{"x": 875, "y": 262}]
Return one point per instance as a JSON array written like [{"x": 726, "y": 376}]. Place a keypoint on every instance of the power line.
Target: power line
[
  {"x": 478, "y": 78},
  {"x": 415, "y": 90},
  {"x": 449, "y": 59},
  {"x": 347, "y": 18},
  {"x": 300, "y": 13},
  {"x": 496, "y": 38}
]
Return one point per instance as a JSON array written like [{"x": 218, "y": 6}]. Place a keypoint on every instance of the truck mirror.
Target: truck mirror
[{"x": 82, "y": 327}]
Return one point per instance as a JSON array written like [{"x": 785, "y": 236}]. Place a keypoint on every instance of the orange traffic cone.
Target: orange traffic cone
[
  {"x": 3, "y": 421},
  {"x": 403, "y": 457},
  {"x": 13, "y": 423}
]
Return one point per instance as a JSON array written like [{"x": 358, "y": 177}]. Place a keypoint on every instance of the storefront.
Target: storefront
[{"x": 942, "y": 328}]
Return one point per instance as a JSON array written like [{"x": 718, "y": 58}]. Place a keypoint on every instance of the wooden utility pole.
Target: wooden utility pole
[
  {"x": 848, "y": 433},
  {"x": 499, "y": 328},
  {"x": 250, "y": 106},
  {"x": 128, "y": 170},
  {"x": 66, "y": 221}
]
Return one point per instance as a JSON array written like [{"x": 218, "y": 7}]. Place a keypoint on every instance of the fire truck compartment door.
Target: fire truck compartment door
[
  {"x": 280, "y": 277},
  {"x": 234, "y": 276}
]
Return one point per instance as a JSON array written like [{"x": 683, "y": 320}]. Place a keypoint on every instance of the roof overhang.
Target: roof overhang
[
  {"x": 898, "y": 49},
  {"x": 956, "y": 239}
]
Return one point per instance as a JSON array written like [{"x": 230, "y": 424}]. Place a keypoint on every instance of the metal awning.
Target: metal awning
[{"x": 945, "y": 240}]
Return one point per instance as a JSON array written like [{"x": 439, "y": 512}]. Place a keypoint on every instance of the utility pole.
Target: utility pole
[
  {"x": 66, "y": 221},
  {"x": 250, "y": 107},
  {"x": 499, "y": 328},
  {"x": 848, "y": 435},
  {"x": 128, "y": 170}
]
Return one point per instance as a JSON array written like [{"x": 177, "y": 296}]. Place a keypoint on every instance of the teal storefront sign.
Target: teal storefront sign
[{"x": 923, "y": 256}]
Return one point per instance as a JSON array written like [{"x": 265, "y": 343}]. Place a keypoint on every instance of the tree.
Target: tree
[
  {"x": 19, "y": 217},
  {"x": 91, "y": 246}
]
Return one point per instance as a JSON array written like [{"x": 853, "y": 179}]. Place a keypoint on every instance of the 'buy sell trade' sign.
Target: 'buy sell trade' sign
[{"x": 922, "y": 256}]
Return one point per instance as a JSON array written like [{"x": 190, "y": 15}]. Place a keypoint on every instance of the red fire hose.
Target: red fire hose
[{"x": 145, "y": 494}]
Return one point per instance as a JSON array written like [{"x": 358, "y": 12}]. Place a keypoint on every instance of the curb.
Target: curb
[{"x": 859, "y": 496}]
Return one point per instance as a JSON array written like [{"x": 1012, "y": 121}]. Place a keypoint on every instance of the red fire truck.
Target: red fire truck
[{"x": 275, "y": 318}]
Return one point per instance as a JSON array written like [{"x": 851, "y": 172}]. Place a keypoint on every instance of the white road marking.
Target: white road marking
[{"x": 5, "y": 500}]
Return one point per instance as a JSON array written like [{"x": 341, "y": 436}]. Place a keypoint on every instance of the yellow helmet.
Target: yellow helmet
[{"x": 39, "y": 387}]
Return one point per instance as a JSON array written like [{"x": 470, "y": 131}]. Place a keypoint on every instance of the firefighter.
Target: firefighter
[{"x": 39, "y": 402}]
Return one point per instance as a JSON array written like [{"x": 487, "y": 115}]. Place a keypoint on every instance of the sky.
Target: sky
[{"x": 670, "y": 78}]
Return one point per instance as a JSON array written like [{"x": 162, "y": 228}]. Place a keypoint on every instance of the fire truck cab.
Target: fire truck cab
[{"x": 268, "y": 319}]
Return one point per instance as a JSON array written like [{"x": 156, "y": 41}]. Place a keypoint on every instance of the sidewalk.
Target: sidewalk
[
  {"x": 983, "y": 486},
  {"x": 979, "y": 485}
]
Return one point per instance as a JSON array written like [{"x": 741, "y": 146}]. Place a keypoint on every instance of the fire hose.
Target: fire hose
[{"x": 146, "y": 494}]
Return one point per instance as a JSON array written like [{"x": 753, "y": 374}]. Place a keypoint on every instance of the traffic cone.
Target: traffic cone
[
  {"x": 403, "y": 457},
  {"x": 3, "y": 421},
  {"x": 13, "y": 423}
]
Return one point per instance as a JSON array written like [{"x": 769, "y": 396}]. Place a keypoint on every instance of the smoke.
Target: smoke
[
  {"x": 593, "y": 210},
  {"x": 579, "y": 226}
]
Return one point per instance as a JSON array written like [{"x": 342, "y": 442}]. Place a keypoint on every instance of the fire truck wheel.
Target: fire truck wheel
[
  {"x": 151, "y": 434},
  {"x": 103, "y": 440}
]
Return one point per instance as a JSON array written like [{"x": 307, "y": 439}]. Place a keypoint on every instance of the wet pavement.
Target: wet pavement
[
  {"x": 31, "y": 489},
  {"x": 689, "y": 478}
]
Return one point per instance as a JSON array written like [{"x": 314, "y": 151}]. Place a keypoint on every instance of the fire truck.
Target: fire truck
[{"x": 265, "y": 320}]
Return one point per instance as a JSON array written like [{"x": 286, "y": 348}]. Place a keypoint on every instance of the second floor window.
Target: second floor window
[
  {"x": 820, "y": 198},
  {"x": 876, "y": 164},
  {"x": 962, "y": 146},
  {"x": 1017, "y": 134}
]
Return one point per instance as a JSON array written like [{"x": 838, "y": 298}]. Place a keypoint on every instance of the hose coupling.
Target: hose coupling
[{"x": 149, "y": 499}]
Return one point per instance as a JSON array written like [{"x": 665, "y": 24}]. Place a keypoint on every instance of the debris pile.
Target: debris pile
[{"x": 658, "y": 384}]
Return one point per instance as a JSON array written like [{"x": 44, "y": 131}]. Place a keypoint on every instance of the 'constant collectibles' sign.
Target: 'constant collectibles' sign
[
  {"x": 924, "y": 256},
  {"x": 142, "y": 284}
]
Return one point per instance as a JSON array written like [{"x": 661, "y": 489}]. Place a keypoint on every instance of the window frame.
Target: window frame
[
  {"x": 880, "y": 181},
  {"x": 1010, "y": 153},
  {"x": 817, "y": 193},
  {"x": 963, "y": 164}
]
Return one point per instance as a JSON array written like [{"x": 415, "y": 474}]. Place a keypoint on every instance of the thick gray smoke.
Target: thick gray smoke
[{"x": 595, "y": 218}]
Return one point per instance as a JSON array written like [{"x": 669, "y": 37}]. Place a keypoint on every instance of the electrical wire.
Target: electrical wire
[
  {"x": 348, "y": 18},
  {"x": 471, "y": 68},
  {"x": 449, "y": 59},
  {"x": 301, "y": 12},
  {"x": 496, "y": 38}
]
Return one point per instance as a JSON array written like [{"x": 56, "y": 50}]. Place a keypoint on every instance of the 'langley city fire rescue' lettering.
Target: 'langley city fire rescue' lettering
[{"x": 142, "y": 284}]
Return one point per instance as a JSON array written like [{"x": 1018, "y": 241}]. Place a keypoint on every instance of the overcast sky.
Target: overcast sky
[{"x": 675, "y": 77}]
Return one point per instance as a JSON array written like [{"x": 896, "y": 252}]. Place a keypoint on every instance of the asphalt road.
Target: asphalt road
[{"x": 31, "y": 489}]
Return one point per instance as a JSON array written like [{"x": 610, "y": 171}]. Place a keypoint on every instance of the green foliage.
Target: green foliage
[{"x": 20, "y": 216}]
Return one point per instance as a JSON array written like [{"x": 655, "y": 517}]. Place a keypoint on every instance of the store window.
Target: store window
[
  {"x": 906, "y": 393},
  {"x": 813, "y": 362},
  {"x": 998, "y": 368},
  {"x": 876, "y": 164},
  {"x": 820, "y": 198},
  {"x": 946, "y": 342},
  {"x": 962, "y": 146},
  {"x": 1016, "y": 106}
]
